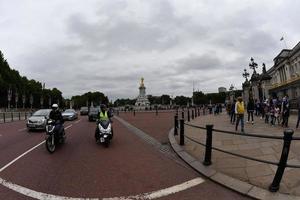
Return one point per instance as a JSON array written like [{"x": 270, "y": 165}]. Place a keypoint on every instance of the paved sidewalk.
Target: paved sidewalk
[{"x": 254, "y": 173}]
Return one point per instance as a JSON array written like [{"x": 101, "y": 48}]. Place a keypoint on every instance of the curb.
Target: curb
[{"x": 227, "y": 181}]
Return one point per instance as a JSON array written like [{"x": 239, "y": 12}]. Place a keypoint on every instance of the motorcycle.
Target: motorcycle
[
  {"x": 104, "y": 132},
  {"x": 53, "y": 138}
]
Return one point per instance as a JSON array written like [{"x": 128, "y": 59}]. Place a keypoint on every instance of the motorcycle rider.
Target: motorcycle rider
[
  {"x": 103, "y": 115},
  {"x": 56, "y": 116}
]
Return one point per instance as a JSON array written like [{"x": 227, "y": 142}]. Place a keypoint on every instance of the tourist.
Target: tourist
[
  {"x": 285, "y": 111},
  {"x": 250, "y": 109},
  {"x": 277, "y": 114},
  {"x": 239, "y": 111},
  {"x": 232, "y": 110},
  {"x": 298, "y": 104}
]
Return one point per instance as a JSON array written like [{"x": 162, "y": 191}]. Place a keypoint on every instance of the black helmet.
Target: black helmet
[{"x": 102, "y": 106}]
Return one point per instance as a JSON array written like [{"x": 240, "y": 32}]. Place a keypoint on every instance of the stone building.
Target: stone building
[
  {"x": 286, "y": 73},
  {"x": 283, "y": 78}
]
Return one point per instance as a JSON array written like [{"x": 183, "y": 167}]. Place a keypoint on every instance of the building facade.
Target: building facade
[
  {"x": 283, "y": 78},
  {"x": 286, "y": 73}
]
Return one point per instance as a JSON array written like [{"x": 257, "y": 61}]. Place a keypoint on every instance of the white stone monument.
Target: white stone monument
[{"x": 142, "y": 102}]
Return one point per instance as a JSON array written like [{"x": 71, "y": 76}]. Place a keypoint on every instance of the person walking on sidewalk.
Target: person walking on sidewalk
[
  {"x": 239, "y": 111},
  {"x": 250, "y": 109},
  {"x": 232, "y": 111},
  {"x": 285, "y": 111},
  {"x": 298, "y": 105}
]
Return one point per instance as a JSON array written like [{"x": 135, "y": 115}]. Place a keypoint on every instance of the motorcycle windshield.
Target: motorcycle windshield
[{"x": 104, "y": 124}]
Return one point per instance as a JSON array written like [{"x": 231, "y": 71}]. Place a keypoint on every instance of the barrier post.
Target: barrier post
[
  {"x": 12, "y": 116},
  {"x": 193, "y": 115},
  {"x": 181, "y": 132},
  {"x": 208, "y": 146},
  {"x": 176, "y": 125},
  {"x": 188, "y": 115},
  {"x": 287, "y": 139}
]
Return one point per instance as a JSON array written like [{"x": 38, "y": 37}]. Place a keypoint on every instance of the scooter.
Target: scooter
[
  {"x": 53, "y": 138},
  {"x": 104, "y": 132}
]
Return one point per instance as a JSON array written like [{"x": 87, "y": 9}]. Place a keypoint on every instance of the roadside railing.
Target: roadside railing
[
  {"x": 13, "y": 116},
  {"x": 287, "y": 139}
]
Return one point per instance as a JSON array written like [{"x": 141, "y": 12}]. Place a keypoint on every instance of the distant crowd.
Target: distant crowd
[{"x": 274, "y": 111}]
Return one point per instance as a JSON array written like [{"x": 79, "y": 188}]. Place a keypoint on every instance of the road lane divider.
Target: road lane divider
[
  {"x": 26, "y": 152},
  {"x": 77, "y": 121},
  {"x": 151, "y": 195}
]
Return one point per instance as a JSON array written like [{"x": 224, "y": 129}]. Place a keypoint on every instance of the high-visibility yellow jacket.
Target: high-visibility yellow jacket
[{"x": 103, "y": 116}]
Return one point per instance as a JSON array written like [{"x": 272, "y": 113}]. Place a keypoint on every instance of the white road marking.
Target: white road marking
[
  {"x": 26, "y": 152},
  {"x": 151, "y": 195},
  {"x": 23, "y": 129},
  {"x": 20, "y": 156},
  {"x": 77, "y": 121}
]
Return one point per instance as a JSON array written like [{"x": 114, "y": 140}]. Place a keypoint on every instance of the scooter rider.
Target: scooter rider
[
  {"x": 56, "y": 115},
  {"x": 103, "y": 115}
]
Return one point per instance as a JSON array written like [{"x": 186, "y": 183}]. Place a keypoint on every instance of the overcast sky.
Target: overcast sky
[{"x": 108, "y": 45}]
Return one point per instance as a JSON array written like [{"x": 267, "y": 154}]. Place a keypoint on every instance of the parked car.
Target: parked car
[
  {"x": 38, "y": 120},
  {"x": 69, "y": 114},
  {"x": 84, "y": 110},
  {"x": 93, "y": 113}
]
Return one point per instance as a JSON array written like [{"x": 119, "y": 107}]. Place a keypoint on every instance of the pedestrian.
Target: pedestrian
[
  {"x": 232, "y": 110},
  {"x": 239, "y": 111},
  {"x": 277, "y": 114},
  {"x": 285, "y": 111},
  {"x": 298, "y": 105},
  {"x": 272, "y": 114},
  {"x": 267, "y": 111},
  {"x": 250, "y": 109}
]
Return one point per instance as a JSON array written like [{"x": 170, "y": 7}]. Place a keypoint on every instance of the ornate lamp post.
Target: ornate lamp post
[
  {"x": 247, "y": 84},
  {"x": 9, "y": 95},
  {"x": 23, "y": 100},
  {"x": 16, "y": 99},
  {"x": 253, "y": 65}
]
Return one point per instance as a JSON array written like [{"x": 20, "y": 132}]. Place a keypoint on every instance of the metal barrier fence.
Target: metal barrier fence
[
  {"x": 282, "y": 164},
  {"x": 13, "y": 116}
]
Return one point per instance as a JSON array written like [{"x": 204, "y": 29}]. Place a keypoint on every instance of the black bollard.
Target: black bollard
[
  {"x": 193, "y": 116},
  {"x": 195, "y": 112},
  {"x": 208, "y": 146},
  {"x": 182, "y": 114},
  {"x": 12, "y": 116},
  {"x": 288, "y": 136},
  {"x": 181, "y": 142},
  {"x": 4, "y": 117},
  {"x": 176, "y": 125},
  {"x": 188, "y": 115}
]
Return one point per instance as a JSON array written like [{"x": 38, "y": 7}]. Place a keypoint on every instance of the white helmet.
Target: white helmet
[{"x": 54, "y": 106}]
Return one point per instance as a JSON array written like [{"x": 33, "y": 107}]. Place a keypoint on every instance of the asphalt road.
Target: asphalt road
[{"x": 83, "y": 169}]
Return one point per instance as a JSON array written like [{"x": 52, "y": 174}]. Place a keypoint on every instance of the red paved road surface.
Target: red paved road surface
[{"x": 81, "y": 168}]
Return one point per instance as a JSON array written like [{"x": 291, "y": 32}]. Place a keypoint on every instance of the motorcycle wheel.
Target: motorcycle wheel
[
  {"x": 106, "y": 143},
  {"x": 50, "y": 147}
]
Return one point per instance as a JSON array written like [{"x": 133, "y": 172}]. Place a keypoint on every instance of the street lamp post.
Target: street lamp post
[
  {"x": 31, "y": 100},
  {"x": 49, "y": 101},
  {"x": 9, "y": 95},
  {"x": 23, "y": 100},
  {"x": 253, "y": 65},
  {"x": 16, "y": 99}
]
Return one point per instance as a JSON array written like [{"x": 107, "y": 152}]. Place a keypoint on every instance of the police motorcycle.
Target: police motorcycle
[
  {"x": 53, "y": 136},
  {"x": 104, "y": 132}
]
